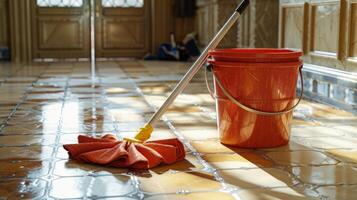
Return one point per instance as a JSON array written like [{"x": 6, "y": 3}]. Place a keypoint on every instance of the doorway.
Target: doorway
[{"x": 62, "y": 28}]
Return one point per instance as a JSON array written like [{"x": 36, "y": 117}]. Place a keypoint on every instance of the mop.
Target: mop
[{"x": 138, "y": 153}]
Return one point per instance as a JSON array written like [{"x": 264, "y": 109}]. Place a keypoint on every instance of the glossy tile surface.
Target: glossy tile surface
[{"x": 46, "y": 105}]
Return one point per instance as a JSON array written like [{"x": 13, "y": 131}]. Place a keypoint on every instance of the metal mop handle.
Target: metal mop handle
[
  {"x": 192, "y": 71},
  {"x": 199, "y": 62}
]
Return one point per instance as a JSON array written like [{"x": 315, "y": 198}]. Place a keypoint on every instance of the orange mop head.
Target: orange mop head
[
  {"x": 136, "y": 152},
  {"x": 108, "y": 151}
]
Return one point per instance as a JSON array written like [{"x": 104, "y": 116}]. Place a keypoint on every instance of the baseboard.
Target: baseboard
[{"x": 335, "y": 87}]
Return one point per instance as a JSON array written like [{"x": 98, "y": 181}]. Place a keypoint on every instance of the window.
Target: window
[
  {"x": 59, "y": 3},
  {"x": 123, "y": 3}
]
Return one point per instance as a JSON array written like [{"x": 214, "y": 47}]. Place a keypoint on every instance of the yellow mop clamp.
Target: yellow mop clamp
[{"x": 143, "y": 134}]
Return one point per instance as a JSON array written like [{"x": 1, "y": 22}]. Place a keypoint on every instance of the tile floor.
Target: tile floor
[{"x": 46, "y": 105}]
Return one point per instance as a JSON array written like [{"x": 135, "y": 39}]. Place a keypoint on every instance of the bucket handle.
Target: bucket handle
[{"x": 244, "y": 107}]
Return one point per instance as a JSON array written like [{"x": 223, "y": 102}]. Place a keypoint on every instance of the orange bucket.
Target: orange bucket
[{"x": 255, "y": 91}]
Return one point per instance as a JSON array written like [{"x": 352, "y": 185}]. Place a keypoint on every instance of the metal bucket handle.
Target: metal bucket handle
[{"x": 244, "y": 107}]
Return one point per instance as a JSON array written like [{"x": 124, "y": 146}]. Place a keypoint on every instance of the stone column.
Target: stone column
[
  {"x": 20, "y": 31},
  {"x": 4, "y": 33},
  {"x": 259, "y": 25},
  {"x": 211, "y": 15}
]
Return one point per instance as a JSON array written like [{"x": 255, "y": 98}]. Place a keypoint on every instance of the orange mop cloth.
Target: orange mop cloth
[{"x": 111, "y": 152}]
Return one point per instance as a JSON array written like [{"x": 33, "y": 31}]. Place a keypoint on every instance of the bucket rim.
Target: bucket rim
[
  {"x": 220, "y": 64},
  {"x": 255, "y": 55},
  {"x": 254, "y": 52}
]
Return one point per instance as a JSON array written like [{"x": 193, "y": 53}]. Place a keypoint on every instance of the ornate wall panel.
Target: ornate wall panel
[
  {"x": 71, "y": 31},
  {"x": 123, "y": 28},
  {"x": 327, "y": 31},
  {"x": 148, "y": 23},
  {"x": 292, "y": 27},
  {"x": 325, "y": 28},
  {"x": 329, "y": 34},
  {"x": 124, "y": 33},
  {"x": 60, "y": 29}
]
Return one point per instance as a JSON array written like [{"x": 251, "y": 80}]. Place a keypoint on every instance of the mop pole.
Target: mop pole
[{"x": 145, "y": 132}]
